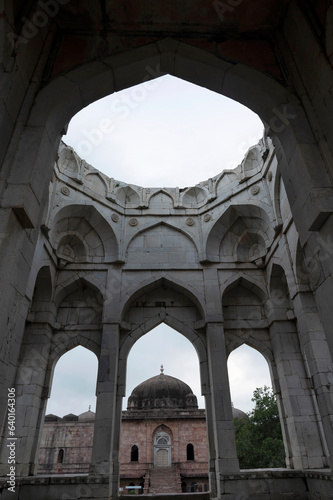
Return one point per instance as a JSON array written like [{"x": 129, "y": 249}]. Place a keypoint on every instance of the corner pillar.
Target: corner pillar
[
  {"x": 223, "y": 454},
  {"x": 318, "y": 363},
  {"x": 300, "y": 415},
  {"x": 30, "y": 398},
  {"x": 105, "y": 453}
]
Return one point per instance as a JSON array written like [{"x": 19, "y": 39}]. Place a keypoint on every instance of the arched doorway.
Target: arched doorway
[
  {"x": 68, "y": 427},
  {"x": 162, "y": 450}
]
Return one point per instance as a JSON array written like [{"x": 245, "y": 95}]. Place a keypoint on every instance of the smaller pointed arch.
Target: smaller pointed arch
[
  {"x": 301, "y": 268},
  {"x": 190, "y": 452},
  {"x": 195, "y": 197},
  {"x": 79, "y": 281},
  {"x": 69, "y": 163},
  {"x": 127, "y": 196},
  {"x": 96, "y": 181},
  {"x": 252, "y": 162},
  {"x": 278, "y": 287},
  {"x": 134, "y": 453},
  {"x": 60, "y": 458},
  {"x": 161, "y": 199},
  {"x": 223, "y": 181}
]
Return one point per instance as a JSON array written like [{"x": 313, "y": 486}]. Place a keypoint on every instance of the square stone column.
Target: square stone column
[
  {"x": 318, "y": 363},
  {"x": 31, "y": 397},
  {"x": 300, "y": 415},
  {"x": 221, "y": 433},
  {"x": 105, "y": 453}
]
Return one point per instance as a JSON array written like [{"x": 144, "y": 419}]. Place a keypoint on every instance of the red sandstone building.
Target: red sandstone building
[{"x": 163, "y": 443}]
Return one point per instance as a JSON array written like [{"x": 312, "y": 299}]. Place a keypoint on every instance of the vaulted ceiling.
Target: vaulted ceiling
[{"x": 235, "y": 30}]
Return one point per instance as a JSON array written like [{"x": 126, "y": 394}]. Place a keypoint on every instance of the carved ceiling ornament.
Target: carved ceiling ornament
[{"x": 255, "y": 190}]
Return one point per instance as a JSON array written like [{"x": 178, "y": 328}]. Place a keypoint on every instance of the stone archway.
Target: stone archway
[
  {"x": 299, "y": 128},
  {"x": 162, "y": 449},
  {"x": 65, "y": 95}
]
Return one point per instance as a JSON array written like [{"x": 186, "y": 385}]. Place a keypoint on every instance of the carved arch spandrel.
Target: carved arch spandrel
[{"x": 162, "y": 244}]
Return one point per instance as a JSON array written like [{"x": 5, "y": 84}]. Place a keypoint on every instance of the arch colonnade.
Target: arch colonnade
[{"x": 222, "y": 270}]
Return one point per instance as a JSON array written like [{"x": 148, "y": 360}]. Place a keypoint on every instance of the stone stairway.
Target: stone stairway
[{"x": 164, "y": 480}]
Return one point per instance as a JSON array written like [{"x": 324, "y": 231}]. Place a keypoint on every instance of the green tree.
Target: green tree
[{"x": 259, "y": 439}]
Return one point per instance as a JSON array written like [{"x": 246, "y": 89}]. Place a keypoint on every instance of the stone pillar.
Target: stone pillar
[
  {"x": 16, "y": 253},
  {"x": 318, "y": 362},
  {"x": 23, "y": 196},
  {"x": 221, "y": 434},
  {"x": 105, "y": 453},
  {"x": 299, "y": 414},
  {"x": 31, "y": 399}
]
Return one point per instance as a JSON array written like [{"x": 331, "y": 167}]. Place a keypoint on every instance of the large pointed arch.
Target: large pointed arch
[
  {"x": 135, "y": 325},
  {"x": 68, "y": 93}
]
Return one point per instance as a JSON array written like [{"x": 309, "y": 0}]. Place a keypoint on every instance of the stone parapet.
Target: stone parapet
[{"x": 268, "y": 484}]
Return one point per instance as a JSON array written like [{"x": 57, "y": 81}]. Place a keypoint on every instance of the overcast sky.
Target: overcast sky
[{"x": 162, "y": 133}]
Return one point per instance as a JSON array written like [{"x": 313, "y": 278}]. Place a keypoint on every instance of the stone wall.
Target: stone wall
[{"x": 73, "y": 440}]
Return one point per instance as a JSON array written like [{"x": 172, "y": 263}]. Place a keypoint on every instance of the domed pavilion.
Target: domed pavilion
[
  {"x": 163, "y": 440},
  {"x": 164, "y": 447}
]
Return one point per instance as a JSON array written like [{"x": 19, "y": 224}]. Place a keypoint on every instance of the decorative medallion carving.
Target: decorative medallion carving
[
  {"x": 255, "y": 190},
  {"x": 115, "y": 217},
  {"x": 65, "y": 190},
  {"x": 207, "y": 217},
  {"x": 133, "y": 222},
  {"x": 190, "y": 221}
]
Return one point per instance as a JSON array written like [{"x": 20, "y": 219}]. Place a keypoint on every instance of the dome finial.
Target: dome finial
[{"x": 162, "y": 369}]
